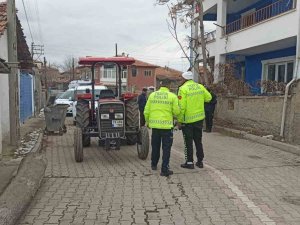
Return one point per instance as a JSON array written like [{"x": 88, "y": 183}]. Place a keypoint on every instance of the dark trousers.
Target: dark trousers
[
  {"x": 164, "y": 137},
  {"x": 193, "y": 132},
  {"x": 209, "y": 116},
  {"x": 142, "y": 119}
]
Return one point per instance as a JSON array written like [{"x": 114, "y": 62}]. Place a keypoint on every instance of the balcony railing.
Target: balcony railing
[{"x": 260, "y": 15}]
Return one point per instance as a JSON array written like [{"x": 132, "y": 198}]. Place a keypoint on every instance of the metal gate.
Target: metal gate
[{"x": 26, "y": 96}]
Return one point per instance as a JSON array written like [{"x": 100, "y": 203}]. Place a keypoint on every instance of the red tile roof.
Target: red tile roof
[
  {"x": 3, "y": 17},
  {"x": 140, "y": 63},
  {"x": 166, "y": 72}
]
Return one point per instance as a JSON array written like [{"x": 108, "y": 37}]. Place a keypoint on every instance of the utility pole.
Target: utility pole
[
  {"x": 45, "y": 79},
  {"x": 13, "y": 76},
  {"x": 203, "y": 42},
  {"x": 194, "y": 43},
  {"x": 37, "y": 50},
  {"x": 73, "y": 69},
  {"x": 116, "y": 46}
]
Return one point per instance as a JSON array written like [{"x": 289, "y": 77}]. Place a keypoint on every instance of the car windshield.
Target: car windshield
[
  {"x": 67, "y": 95},
  {"x": 96, "y": 93}
]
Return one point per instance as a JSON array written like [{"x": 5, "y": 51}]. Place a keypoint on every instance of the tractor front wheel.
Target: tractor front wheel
[
  {"x": 78, "y": 148},
  {"x": 143, "y": 143}
]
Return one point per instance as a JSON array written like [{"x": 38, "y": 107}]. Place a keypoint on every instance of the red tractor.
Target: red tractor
[{"x": 110, "y": 116}]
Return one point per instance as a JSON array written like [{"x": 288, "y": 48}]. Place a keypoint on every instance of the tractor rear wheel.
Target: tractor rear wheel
[
  {"x": 83, "y": 120},
  {"x": 131, "y": 120},
  {"x": 78, "y": 148},
  {"x": 143, "y": 143}
]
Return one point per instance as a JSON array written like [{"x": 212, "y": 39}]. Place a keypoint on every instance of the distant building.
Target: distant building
[
  {"x": 141, "y": 74},
  {"x": 174, "y": 76}
]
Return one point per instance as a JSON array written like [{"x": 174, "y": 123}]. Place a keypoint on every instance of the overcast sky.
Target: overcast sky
[{"x": 92, "y": 27}]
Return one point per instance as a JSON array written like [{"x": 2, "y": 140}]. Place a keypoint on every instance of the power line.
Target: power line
[
  {"x": 27, "y": 20},
  {"x": 39, "y": 21}
]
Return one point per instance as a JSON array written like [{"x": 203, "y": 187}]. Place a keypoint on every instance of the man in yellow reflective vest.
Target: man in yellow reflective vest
[
  {"x": 191, "y": 97},
  {"x": 160, "y": 109}
]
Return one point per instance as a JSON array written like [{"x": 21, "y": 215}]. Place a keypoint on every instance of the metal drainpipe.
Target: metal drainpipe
[
  {"x": 295, "y": 77},
  {"x": 284, "y": 107}
]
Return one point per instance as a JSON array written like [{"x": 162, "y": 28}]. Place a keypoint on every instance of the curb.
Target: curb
[
  {"x": 276, "y": 144},
  {"x": 19, "y": 193}
]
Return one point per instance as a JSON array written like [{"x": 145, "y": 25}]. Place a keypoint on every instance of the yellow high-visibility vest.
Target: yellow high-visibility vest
[
  {"x": 161, "y": 107},
  {"x": 191, "y": 97}
]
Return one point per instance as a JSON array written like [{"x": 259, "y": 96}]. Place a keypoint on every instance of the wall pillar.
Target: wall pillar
[
  {"x": 221, "y": 18},
  {"x": 220, "y": 29},
  {"x": 0, "y": 134},
  {"x": 219, "y": 59},
  {"x": 294, "y": 132}
]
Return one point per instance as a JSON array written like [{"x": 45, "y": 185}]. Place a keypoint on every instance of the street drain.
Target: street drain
[{"x": 295, "y": 200}]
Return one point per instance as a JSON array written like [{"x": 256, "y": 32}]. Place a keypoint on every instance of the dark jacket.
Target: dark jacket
[
  {"x": 211, "y": 105},
  {"x": 142, "y": 99}
]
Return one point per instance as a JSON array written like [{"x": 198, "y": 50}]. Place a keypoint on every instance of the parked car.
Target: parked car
[
  {"x": 66, "y": 98},
  {"x": 76, "y": 83},
  {"x": 83, "y": 89}
]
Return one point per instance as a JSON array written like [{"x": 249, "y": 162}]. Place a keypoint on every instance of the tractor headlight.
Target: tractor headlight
[
  {"x": 118, "y": 115},
  {"x": 104, "y": 116}
]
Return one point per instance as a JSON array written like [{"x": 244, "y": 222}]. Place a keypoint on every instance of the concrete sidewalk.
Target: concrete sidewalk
[
  {"x": 295, "y": 149},
  {"x": 21, "y": 171}
]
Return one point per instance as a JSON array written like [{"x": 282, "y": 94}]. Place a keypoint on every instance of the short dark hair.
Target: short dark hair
[{"x": 144, "y": 89}]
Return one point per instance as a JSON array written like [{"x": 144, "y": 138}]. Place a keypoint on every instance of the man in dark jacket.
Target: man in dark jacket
[
  {"x": 142, "y": 100},
  {"x": 209, "y": 111}
]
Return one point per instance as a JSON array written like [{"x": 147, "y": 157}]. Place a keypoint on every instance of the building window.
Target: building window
[
  {"x": 124, "y": 74},
  {"x": 279, "y": 70},
  {"x": 109, "y": 72},
  {"x": 134, "y": 71},
  {"x": 147, "y": 73}
]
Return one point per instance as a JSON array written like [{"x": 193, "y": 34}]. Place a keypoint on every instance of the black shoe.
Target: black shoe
[
  {"x": 154, "y": 167},
  {"x": 166, "y": 173},
  {"x": 188, "y": 166},
  {"x": 199, "y": 164}
]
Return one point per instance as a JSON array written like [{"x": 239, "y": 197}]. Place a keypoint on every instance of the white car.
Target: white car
[
  {"x": 82, "y": 90},
  {"x": 66, "y": 98},
  {"x": 76, "y": 83}
]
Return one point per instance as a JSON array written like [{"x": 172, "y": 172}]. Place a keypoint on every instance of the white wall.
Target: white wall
[
  {"x": 4, "y": 93},
  {"x": 275, "y": 29},
  {"x": 207, "y": 4}
]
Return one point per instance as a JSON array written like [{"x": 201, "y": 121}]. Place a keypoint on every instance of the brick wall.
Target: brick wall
[{"x": 140, "y": 80}]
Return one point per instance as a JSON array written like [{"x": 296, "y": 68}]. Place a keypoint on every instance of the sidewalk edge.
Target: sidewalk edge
[
  {"x": 18, "y": 194},
  {"x": 276, "y": 144}
]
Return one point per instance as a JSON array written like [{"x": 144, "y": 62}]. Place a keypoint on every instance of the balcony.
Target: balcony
[{"x": 260, "y": 15}]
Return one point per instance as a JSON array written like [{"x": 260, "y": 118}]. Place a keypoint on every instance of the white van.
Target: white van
[
  {"x": 81, "y": 90},
  {"x": 76, "y": 83}
]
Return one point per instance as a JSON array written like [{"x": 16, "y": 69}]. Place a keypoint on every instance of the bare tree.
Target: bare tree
[
  {"x": 68, "y": 63},
  {"x": 190, "y": 13}
]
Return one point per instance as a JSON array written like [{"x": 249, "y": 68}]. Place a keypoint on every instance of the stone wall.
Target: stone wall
[
  {"x": 262, "y": 113},
  {"x": 294, "y": 132}
]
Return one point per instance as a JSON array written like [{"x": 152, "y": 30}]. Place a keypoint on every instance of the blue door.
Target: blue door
[{"x": 26, "y": 95}]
